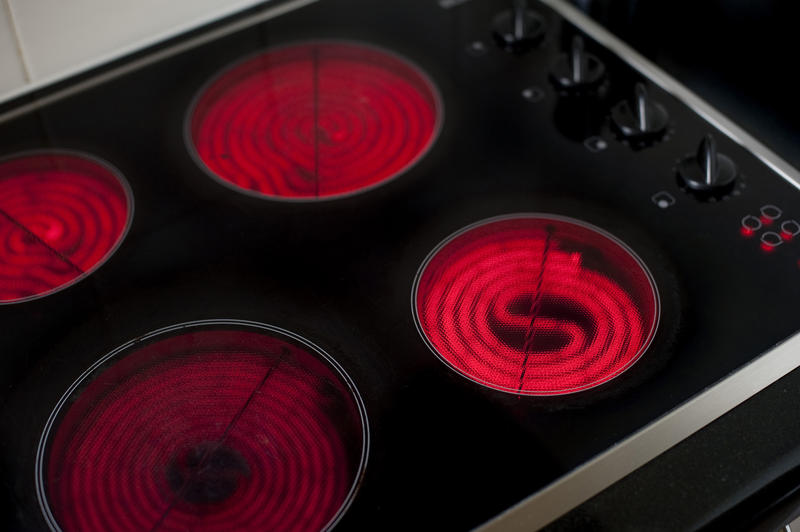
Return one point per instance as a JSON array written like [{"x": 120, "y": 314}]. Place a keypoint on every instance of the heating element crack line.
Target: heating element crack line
[
  {"x": 209, "y": 451},
  {"x": 42, "y": 242},
  {"x": 536, "y": 306}
]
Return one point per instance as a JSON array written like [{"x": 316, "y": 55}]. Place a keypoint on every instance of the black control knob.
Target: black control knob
[
  {"x": 518, "y": 29},
  {"x": 708, "y": 173},
  {"x": 577, "y": 70},
  {"x": 640, "y": 120}
]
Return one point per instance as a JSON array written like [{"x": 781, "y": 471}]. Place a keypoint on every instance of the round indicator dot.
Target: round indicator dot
[
  {"x": 663, "y": 199},
  {"x": 533, "y": 94},
  {"x": 477, "y": 48}
]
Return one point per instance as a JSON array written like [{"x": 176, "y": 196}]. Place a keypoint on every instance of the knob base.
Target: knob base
[
  {"x": 693, "y": 179},
  {"x": 577, "y": 71},
  {"x": 628, "y": 127},
  {"x": 518, "y": 33}
]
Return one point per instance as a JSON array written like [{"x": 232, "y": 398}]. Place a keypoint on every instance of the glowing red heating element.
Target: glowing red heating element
[
  {"x": 536, "y": 305},
  {"x": 61, "y": 216},
  {"x": 314, "y": 120},
  {"x": 210, "y": 430}
]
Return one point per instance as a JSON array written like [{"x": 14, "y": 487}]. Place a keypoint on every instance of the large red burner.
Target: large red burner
[
  {"x": 315, "y": 120},
  {"x": 61, "y": 216},
  {"x": 210, "y": 427},
  {"x": 536, "y": 305}
]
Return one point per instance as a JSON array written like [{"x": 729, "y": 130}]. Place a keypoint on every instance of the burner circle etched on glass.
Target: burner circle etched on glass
[
  {"x": 213, "y": 425},
  {"x": 536, "y": 304},
  {"x": 313, "y": 121},
  {"x": 62, "y": 215}
]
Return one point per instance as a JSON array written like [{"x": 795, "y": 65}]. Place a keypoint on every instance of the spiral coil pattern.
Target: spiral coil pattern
[
  {"x": 314, "y": 120},
  {"x": 536, "y": 305},
  {"x": 213, "y": 430},
  {"x": 61, "y": 215}
]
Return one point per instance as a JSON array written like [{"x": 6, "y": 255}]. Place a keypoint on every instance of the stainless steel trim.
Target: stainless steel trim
[
  {"x": 591, "y": 478},
  {"x": 169, "y": 51},
  {"x": 594, "y": 476}
]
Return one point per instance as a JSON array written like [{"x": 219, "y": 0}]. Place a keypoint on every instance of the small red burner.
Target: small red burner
[
  {"x": 61, "y": 216},
  {"x": 211, "y": 426},
  {"x": 314, "y": 121},
  {"x": 536, "y": 305}
]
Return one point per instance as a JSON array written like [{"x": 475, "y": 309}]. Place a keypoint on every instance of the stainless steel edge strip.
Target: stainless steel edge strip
[
  {"x": 674, "y": 87},
  {"x": 170, "y": 51},
  {"x": 591, "y": 478},
  {"x": 597, "y": 474}
]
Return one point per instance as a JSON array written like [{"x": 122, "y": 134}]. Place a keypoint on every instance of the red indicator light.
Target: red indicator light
[
  {"x": 790, "y": 228},
  {"x": 315, "y": 120},
  {"x": 536, "y": 305},
  {"x": 766, "y": 220},
  {"x": 750, "y": 224},
  {"x": 786, "y": 235},
  {"x": 61, "y": 216},
  {"x": 211, "y": 430},
  {"x": 770, "y": 240}
]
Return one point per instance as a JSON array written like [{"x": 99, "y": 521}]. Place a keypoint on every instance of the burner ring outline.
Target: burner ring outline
[
  {"x": 430, "y": 84},
  {"x": 653, "y": 329},
  {"x": 39, "y": 470},
  {"x": 129, "y": 203}
]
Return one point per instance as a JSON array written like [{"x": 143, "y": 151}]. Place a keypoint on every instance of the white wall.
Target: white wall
[{"x": 42, "y": 41}]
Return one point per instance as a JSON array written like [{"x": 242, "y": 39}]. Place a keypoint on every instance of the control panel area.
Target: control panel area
[{"x": 598, "y": 100}]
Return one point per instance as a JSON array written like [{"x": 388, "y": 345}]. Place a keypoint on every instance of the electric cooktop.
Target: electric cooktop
[{"x": 451, "y": 265}]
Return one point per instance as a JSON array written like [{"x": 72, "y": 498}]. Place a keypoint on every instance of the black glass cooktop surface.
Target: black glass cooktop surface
[{"x": 483, "y": 257}]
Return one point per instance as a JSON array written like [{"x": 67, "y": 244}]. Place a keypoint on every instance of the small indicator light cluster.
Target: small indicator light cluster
[{"x": 778, "y": 231}]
